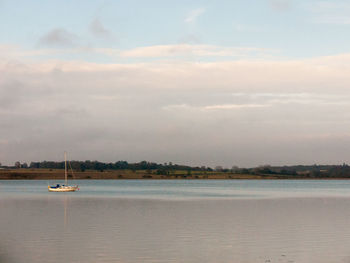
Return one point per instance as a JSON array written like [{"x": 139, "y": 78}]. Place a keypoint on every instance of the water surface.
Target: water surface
[{"x": 176, "y": 221}]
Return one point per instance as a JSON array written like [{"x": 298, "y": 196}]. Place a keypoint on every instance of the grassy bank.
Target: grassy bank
[{"x": 58, "y": 174}]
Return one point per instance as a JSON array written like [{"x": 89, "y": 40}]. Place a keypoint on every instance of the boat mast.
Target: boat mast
[{"x": 65, "y": 168}]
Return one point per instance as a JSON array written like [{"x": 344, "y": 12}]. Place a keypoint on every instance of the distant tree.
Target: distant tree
[
  {"x": 218, "y": 168},
  {"x": 189, "y": 172},
  {"x": 244, "y": 171},
  {"x": 162, "y": 172},
  {"x": 235, "y": 169},
  {"x": 17, "y": 164},
  {"x": 34, "y": 165},
  {"x": 24, "y": 165},
  {"x": 83, "y": 167}
]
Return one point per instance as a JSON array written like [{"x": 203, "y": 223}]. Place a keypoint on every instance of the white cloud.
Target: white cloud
[
  {"x": 293, "y": 75},
  {"x": 189, "y": 50},
  {"x": 214, "y": 107},
  {"x": 256, "y": 100},
  {"x": 332, "y": 19},
  {"x": 234, "y": 106},
  {"x": 327, "y": 12},
  {"x": 296, "y": 98},
  {"x": 8, "y": 52},
  {"x": 181, "y": 51},
  {"x": 177, "y": 107},
  {"x": 194, "y": 14}
]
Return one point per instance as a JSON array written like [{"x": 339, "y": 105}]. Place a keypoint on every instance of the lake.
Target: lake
[{"x": 176, "y": 221}]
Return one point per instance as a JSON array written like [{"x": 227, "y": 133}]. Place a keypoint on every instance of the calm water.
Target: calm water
[{"x": 176, "y": 221}]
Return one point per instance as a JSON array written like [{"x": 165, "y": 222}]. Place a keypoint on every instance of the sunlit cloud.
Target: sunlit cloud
[
  {"x": 181, "y": 51},
  {"x": 194, "y": 14},
  {"x": 192, "y": 50}
]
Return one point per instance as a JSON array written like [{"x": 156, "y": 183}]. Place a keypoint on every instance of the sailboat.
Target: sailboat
[{"x": 64, "y": 187}]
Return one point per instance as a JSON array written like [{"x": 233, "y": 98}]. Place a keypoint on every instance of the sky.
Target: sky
[{"x": 229, "y": 83}]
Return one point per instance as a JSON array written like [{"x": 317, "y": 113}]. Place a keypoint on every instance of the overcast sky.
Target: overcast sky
[{"x": 199, "y": 82}]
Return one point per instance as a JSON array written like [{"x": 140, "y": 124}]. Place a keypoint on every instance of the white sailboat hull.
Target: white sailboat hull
[{"x": 63, "y": 189}]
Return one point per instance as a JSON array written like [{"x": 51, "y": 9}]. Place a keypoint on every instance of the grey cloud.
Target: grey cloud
[
  {"x": 121, "y": 112},
  {"x": 98, "y": 30},
  {"x": 280, "y": 5},
  {"x": 10, "y": 94},
  {"x": 58, "y": 37}
]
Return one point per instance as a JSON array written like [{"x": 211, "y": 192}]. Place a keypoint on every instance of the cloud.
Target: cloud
[
  {"x": 187, "y": 112},
  {"x": 336, "y": 20},
  {"x": 190, "y": 50},
  {"x": 98, "y": 29},
  {"x": 256, "y": 100},
  {"x": 58, "y": 37},
  {"x": 233, "y": 106},
  {"x": 194, "y": 14},
  {"x": 295, "y": 98},
  {"x": 280, "y": 5},
  {"x": 8, "y": 52},
  {"x": 326, "y": 12},
  {"x": 214, "y": 107},
  {"x": 184, "y": 52},
  {"x": 10, "y": 94}
]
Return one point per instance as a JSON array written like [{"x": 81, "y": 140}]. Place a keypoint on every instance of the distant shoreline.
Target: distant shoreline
[{"x": 58, "y": 174}]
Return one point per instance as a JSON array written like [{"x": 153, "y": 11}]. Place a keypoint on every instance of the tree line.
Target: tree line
[
  {"x": 119, "y": 165},
  {"x": 294, "y": 171}
]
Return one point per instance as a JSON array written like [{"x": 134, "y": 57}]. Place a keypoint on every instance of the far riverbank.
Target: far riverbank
[{"x": 58, "y": 174}]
